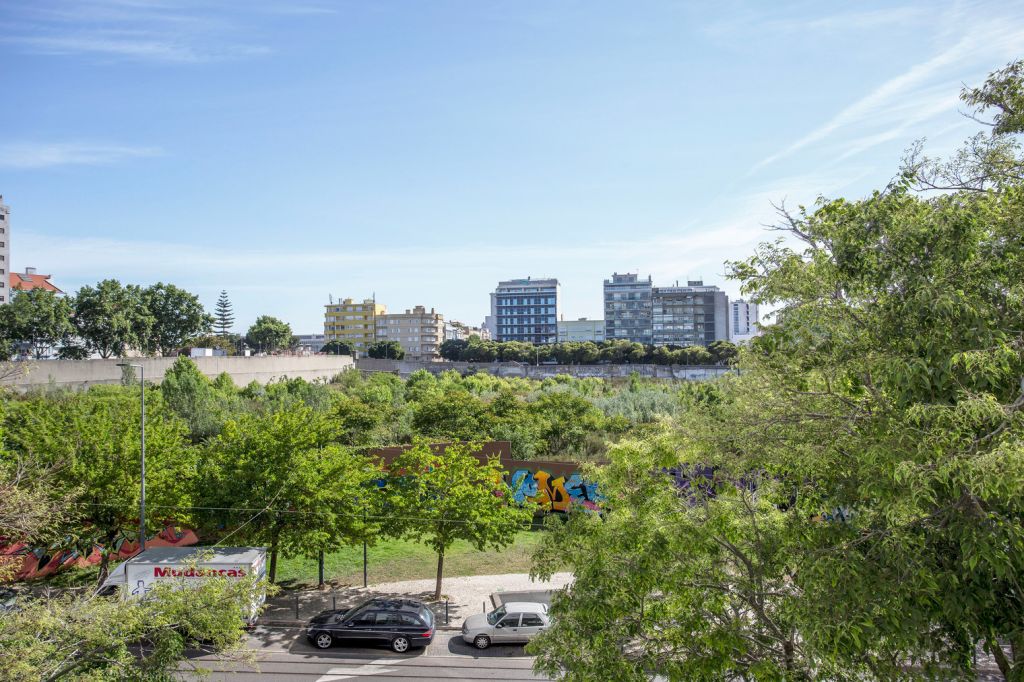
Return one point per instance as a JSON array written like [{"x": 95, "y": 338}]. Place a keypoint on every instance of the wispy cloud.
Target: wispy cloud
[
  {"x": 159, "y": 31},
  {"x": 139, "y": 46},
  {"x": 44, "y": 155},
  {"x": 694, "y": 248},
  {"x": 922, "y": 92},
  {"x": 768, "y": 21}
]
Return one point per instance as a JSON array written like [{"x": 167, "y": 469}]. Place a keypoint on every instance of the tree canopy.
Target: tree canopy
[
  {"x": 867, "y": 461},
  {"x": 269, "y": 334}
]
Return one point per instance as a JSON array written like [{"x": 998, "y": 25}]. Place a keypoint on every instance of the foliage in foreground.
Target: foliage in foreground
[
  {"x": 98, "y": 638},
  {"x": 864, "y": 513}
]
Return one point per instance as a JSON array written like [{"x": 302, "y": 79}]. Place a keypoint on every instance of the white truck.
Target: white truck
[{"x": 188, "y": 566}]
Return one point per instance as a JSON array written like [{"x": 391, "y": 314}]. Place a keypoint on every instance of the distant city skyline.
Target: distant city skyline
[{"x": 426, "y": 151}]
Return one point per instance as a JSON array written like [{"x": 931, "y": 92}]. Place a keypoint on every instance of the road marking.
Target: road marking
[{"x": 348, "y": 672}]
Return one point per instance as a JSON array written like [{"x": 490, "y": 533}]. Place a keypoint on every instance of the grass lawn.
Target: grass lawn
[{"x": 393, "y": 560}]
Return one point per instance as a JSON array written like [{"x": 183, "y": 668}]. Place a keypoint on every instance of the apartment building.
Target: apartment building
[
  {"x": 459, "y": 331},
  {"x": 694, "y": 315},
  {"x": 526, "y": 310},
  {"x": 745, "y": 320},
  {"x": 627, "y": 308},
  {"x": 581, "y": 330},
  {"x": 29, "y": 280},
  {"x": 419, "y": 331},
  {"x": 353, "y": 322},
  {"x": 5, "y": 251}
]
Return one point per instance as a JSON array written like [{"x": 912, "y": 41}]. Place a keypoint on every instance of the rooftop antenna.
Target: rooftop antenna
[{"x": 330, "y": 299}]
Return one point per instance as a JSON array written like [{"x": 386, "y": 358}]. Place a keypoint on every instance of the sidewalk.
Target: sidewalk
[{"x": 466, "y": 595}]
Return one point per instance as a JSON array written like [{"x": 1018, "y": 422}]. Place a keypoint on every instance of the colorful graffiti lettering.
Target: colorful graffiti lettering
[
  {"x": 552, "y": 493},
  {"x": 37, "y": 562}
]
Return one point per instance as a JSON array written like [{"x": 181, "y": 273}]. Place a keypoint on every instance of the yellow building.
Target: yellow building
[{"x": 353, "y": 322}]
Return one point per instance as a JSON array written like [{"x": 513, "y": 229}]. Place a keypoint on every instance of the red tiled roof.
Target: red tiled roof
[{"x": 26, "y": 282}]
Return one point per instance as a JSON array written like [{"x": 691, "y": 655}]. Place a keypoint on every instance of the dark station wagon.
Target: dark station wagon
[{"x": 400, "y": 623}]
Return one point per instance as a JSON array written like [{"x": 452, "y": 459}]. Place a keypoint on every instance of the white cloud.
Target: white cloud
[
  {"x": 136, "y": 46},
  {"x": 456, "y": 279},
  {"x": 738, "y": 24},
  {"x": 44, "y": 155},
  {"x": 168, "y": 32},
  {"x": 894, "y": 109}
]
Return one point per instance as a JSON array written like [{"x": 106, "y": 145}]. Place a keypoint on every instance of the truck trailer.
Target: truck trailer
[{"x": 188, "y": 566}]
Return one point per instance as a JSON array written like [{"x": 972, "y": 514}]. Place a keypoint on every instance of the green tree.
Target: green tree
[
  {"x": 441, "y": 497},
  {"x": 565, "y": 420},
  {"x": 91, "y": 441},
  {"x": 269, "y": 334},
  {"x": 177, "y": 316},
  {"x": 881, "y": 424},
  {"x": 312, "y": 494},
  {"x": 455, "y": 414},
  {"x": 386, "y": 349},
  {"x": 722, "y": 352},
  {"x": 337, "y": 347},
  {"x": 227, "y": 343},
  {"x": 223, "y": 315},
  {"x": 37, "y": 318},
  {"x": 86, "y": 637},
  {"x": 453, "y": 349},
  {"x": 193, "y": 397},
  {"x": 111, "y": 318}
]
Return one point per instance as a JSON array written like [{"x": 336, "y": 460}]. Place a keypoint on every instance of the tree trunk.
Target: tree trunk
[
  {"x": 440, "y": 572},
  {"x": 997, "y": 652},
  {"x": 104, "y": 567},
  {"x": 273, "y": 555}
]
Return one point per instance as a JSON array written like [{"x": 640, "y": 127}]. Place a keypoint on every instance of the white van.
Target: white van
[{"x": 189, "y": 566}]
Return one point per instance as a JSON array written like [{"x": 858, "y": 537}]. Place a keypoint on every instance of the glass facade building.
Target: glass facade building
[
  {"x": 526, "y": 310},
  {"x": 694, "y": 315},
  {"x": 627, "y": 308}
]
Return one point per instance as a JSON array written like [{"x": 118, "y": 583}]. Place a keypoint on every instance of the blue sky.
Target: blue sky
[{"x": 423, "y": 150}]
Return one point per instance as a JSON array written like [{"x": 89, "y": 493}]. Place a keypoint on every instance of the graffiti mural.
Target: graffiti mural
[
  {"x": 552, "y": 486},
  {"x": 552, "y": 493},
  {"x": 40, "y": 561}
]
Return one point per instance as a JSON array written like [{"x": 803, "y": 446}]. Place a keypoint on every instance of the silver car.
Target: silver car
[{"x": 515, "y": 622}]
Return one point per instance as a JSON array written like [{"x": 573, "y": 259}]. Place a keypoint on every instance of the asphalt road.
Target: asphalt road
[{"x": 283, "y": 654}]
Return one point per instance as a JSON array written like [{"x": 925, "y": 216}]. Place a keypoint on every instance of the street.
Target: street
[{"x": 282, "y": 653}]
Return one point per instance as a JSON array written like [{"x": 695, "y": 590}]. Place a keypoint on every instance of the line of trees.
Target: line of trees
[
  {"x": 112, "y": 320},
  {"x": 109, "y": 319},
  {"x": 587, "y": 352}
]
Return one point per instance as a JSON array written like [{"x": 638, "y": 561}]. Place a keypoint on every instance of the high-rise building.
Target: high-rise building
[
  {"x": 526, "y": 310},
  {"x": 745, "y": 320},
  {"x": 419, "y": 332},
  {"x": 5, "y": 251},
  {"x": 627, "y": 308},
  {"x": 353, "y": 322},
  {"x": 580, "y": 330},
  {"x": 694, "y": 315}
]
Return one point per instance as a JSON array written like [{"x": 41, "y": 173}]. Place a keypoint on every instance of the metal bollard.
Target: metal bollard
[
  {"x": 296, "y": 607},
  {"x": 483, "y": 606},
  {"x": 446, "y": 612},
  {"x": 334, "y": 602}
]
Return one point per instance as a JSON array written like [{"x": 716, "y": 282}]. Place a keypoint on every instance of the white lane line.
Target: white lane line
[{"x": 373, "y": 667}]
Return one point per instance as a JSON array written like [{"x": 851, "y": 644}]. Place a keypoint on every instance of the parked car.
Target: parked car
[
  {"x": 401, "y": 623},
  {"x": 515, "y": 622}
]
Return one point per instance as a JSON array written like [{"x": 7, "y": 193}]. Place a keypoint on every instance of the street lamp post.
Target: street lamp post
[{"x": 142, "y": 443}]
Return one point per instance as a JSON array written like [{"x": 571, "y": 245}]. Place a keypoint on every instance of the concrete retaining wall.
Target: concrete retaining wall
[
  {"x": 514, "y": 369},
  {"x": 84, "y": 373}
]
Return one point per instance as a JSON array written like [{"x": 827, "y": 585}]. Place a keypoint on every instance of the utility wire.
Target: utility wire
[{"x": 297, "y": 512}]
